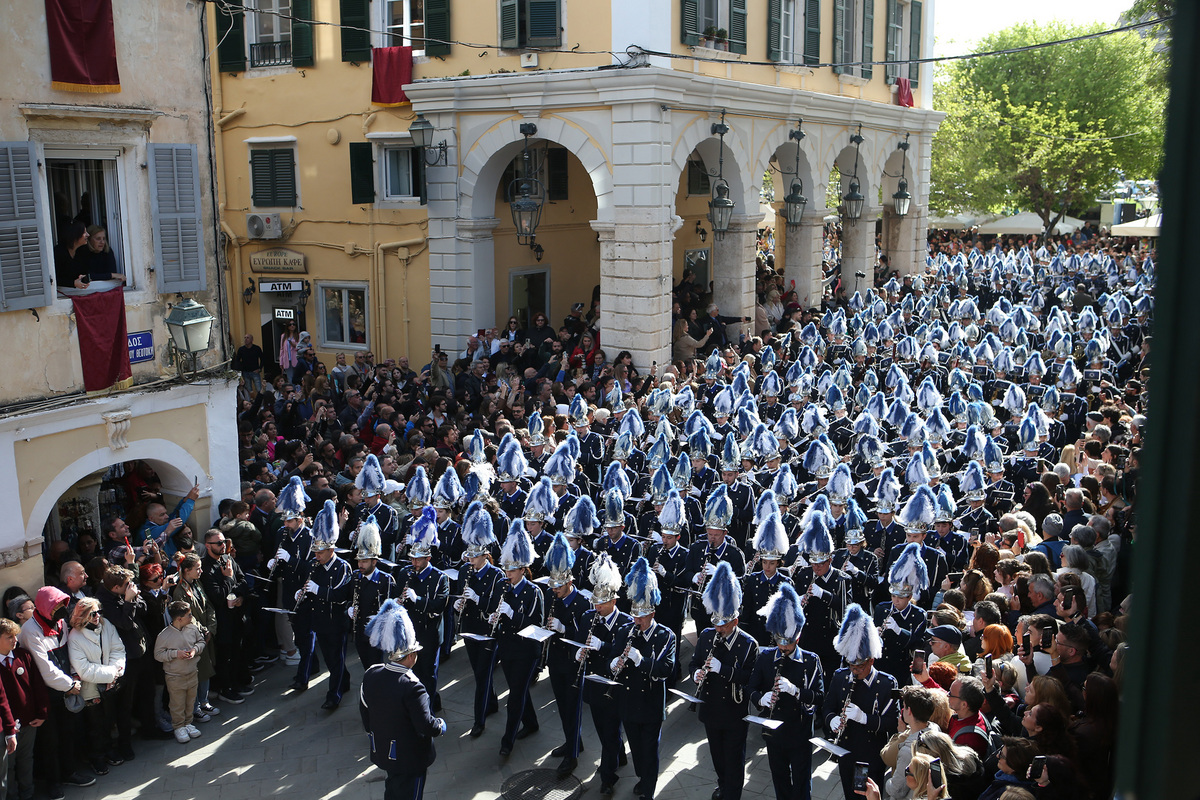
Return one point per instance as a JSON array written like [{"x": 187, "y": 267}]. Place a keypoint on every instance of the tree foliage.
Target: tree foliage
[{"x": 1045, "y": 130}]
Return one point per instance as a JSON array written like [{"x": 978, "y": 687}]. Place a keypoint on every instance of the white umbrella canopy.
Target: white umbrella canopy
[
  {"x": 1148, "y": 226},
  {"x": 1029, "y": 224}
]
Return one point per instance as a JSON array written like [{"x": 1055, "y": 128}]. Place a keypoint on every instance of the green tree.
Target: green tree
[{"x": 1046, "y": 129}]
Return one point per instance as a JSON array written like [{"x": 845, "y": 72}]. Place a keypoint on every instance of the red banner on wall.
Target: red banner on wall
[
  {"x": 83, "y": 46},
  {"x": 393, "y": 67},
  {"x": 103, "y": 340}
]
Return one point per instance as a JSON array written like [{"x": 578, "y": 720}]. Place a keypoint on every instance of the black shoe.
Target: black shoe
[
  {"x": 476, "y": 732},
  {"x": 297, "y": 686},
  {"x": 99, "y": 767},
  {"x": 527, "y": 731},
  {"x": 329, "y": 705},
  {"x": 79, "y": 779},
  {"x": 258, "y": 667},
  {"x": 566, "y": 767},
  {"x": 716, "y": 795},
  {"x": 505, "y": 750},
  {"x": 267, "y": 659},
  {"x": 114, "y": 760},
  {"x": 637, "y": 788},
  {"x": 606, "y": 789},
  {"x": 55, "y": 791},
  {"x": 561, "y": 750},
  {"x": 231, "y": 697},
  {"x": 247, "y": 690},
  {"x": 623, "y": 759},
  {"x": 126, "y": 752}
]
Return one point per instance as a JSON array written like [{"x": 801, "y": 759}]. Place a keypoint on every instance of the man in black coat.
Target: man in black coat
[{"x": 395, "y": 710}]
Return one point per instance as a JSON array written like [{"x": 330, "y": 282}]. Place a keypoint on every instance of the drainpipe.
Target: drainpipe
[{"x": 381, "y": 286}]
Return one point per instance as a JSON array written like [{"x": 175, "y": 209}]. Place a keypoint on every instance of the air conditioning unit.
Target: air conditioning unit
[{"x": 264, "y": 226}]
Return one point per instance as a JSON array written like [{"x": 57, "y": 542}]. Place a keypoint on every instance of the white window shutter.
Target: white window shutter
[
  {"x": 24, "y": 274},
  {"x": 175, "y": 204}
]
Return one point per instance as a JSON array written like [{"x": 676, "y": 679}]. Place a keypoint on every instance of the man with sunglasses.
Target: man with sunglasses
[{"x": 226, "y": 588}]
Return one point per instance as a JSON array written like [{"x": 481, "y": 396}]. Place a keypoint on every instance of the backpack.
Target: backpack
[{"x": 991, "y": 734}]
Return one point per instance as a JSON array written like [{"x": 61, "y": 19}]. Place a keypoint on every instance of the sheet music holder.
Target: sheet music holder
[
  {"x": 452, "y": 574},
  {"x": 685, "y": 696},
  {"x": 829, "y": 747},
  {"x": 593, "y": 677},
  {"x": 535, "y": 632},
  {"x": 278, "y": 611},
  {"x": 476, "y": 637},
  {"x": 766, "y": 722}
]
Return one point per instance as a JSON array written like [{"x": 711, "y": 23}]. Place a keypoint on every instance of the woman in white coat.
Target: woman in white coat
[{"x": 98, "y": 659}]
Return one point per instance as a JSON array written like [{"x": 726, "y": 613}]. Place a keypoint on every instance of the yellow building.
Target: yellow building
[
  {"x": 334, "y": 218},
  {"x": 138, "y": 163}
]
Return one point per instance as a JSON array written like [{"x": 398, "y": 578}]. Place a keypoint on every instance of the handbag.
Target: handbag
[{"x": 74, "y": 702}]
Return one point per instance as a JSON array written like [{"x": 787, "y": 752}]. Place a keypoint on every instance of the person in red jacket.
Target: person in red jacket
[{"x": 26, "y": 698}]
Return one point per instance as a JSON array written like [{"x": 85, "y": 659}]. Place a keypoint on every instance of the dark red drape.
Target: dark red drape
[
  {"x": 103, "y": 339},
  {"x": 393, "y": 67},
  {"x": 83, "y": 46},
  {"x": 904, "y": 96}
]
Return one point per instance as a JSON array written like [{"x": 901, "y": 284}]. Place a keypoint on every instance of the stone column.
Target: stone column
[
  {"x": 733, "y": 272},
  {"x": 462, "y": 279},
  {"x": 858, "y": 250},
  {"x": 804, "y": 251},
  {"x": 900, "y": 238},
  {"x": 635, "y": 283}
]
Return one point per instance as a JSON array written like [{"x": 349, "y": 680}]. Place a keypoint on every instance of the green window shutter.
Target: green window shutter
[
  {"x": 273, "y": 178},
  {"x": 689, "y": 22},
  {"x": 914, "y": 42},
  {"x": 812, "y": 31},
  {"x": 262, "y": 182},
  {"x": 774, "y": 24},
  {"x": 737, "y": 26},
  {"x": 437, "y": 26},
  {"x": 868, "y": 40},
  {"x": 839, "y": 34},
  {"x": 175, "y": 204},
  {"x": 892, "y": 43},
  {"x": 542, "y": 23},
  {"x": 302, "y": 34},
  {"x": 231, "y": 36},
  {"x": 356, "y": 44},
  {"x": 556, "y": 173},
  {"x": 362, "y": 173},
  {"x": 283, "y": 171},
  {"x": 24, "y": 281},
  {"x": 509, "y": 27}
]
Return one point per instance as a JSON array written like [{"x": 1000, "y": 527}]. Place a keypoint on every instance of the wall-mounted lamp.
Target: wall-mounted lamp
[
  {"x": 421, "y": 131},
  {"x": 526, "y": 194},
  {"x": 703, "y": 234},
  {"x": 538, "y": 250},
  {"x": 854, "y": 199},
  {"x": 248, "y": 292},
  {"x": 901, "y": 199},
  {"x": 794, "y": 203},
  {"x": 720, "y": 207}
]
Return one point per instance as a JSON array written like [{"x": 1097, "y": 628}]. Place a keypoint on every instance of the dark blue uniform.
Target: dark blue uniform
[
  {"x": 724, "y": 706},
  {"x": 823, "y": 614},
  {"x": 395, "y": 713},
  {"x": 757, "y": 589},
  {"x": 321, "y": 620},
  {"x": 427, "y": 612},
  {"x": 564, "y": 669},
  {"x": 605, "y": 714},
  {"x": 519, "y": 657},
  {"x": 488, "y": 583},
  {"x": 367, "y": 596},
  {"x": 955, "y": 548},
  {"x": 863, "y": 583},
  {"x": 700, "y": 554},
  {"x": 863, "y": 740},
  {"x": 673, "y": 585},
  {"x": 642, "y": 695},
  {"x": 789, "y": 752},
  {"x": 898, "y": 647}
]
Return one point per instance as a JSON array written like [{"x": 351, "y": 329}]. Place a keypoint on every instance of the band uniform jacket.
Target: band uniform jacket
[
  {"x": 624, "y": 551},
  {"x": 334, "y": 585},
  {"x": 291, "y": 572},
  {"x": 432, "y": 588},
  {"x": 513, "y": 505},
  {"x": 395, "y": 713},
  {"x": 757, "y": 589},
  {"x": 570, "y": 612},
  {"x": 955, "y": 548},
  {"x": 898, "y": 647},
  {"x": 864, "y": 582},
  {"x": 528, "y": 607},
  {"x": 368, "y": 593},
  {"x": 700, "y": 553},
  {"x": 605, "y": 629},
  {"x": 674, "y": 583},
  {"x": 724, "y": 692},
  {"x": 874, "y": 697},
  {"x": 489, "y": 584},
  {"x": 803, "y": 668},
  {"x": 823, "y": 614},
  {"x": 642, "y": 695}
]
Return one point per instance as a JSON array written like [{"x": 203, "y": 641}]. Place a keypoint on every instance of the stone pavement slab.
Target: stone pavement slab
[{"x": 279, "y": 743}]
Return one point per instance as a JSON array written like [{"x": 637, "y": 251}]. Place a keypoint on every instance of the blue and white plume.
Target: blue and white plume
[
  {"x": 292, "y": 500},
  {"x": 723, "y": 595},
  {"x": 909, "y": 575},
  {"x": 784, "y": 615},
  {"x": 517, "y": 552},
  {"x": 858, "y": 639},
  {"x": 477, "y": 532},
  {"x": 642, "y": 587},
  {"x": 560, "y": 558},
  {"x": 542, "y": 502},
  {"x": 423, "y": 535},
  {"x": 370, "y": 477},
  {"x": 391, "y": 631}
]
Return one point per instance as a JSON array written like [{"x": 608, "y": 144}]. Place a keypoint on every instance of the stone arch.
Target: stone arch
[
  {"x": 889, "y": 178},
  {"x": 697, "y": 137},
  {"x": 175, "y": 466},
  {"x": 484, "y": 162},
  {"x": 850, "y": 161},
  {"x": 784, "y": 156}
]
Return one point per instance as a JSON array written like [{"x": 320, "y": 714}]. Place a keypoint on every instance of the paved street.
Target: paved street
[{"x": 278, "y": 743}]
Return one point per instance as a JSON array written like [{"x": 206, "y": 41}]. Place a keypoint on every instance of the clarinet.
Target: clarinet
[
  {"x": 704, "y": 670},
  {"x": 704, "y": 575},
  {"x": 775, "y": 691},
  {"x": 842, "y": 716},
  {"x": 583, "y": 661},
  {"x": 496, "y": 613},
  {"x": 624, "y": 657},
  {"x": 354, "y": 602}
]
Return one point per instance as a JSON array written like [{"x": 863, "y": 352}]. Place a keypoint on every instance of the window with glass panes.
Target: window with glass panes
[{"x": 404, "y": 21}]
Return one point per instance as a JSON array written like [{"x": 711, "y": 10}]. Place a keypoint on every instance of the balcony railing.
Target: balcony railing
[{"x": 271, "y": 54}]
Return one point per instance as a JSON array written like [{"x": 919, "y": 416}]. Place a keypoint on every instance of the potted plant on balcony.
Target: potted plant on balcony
[
  {"x": 722, "y": 39},
  {"x": 707, "y": 39}
]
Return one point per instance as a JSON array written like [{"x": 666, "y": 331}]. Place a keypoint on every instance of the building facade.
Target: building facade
[
  {"x": 136, "y": 162},
  {"x": 378, "y": 245}
]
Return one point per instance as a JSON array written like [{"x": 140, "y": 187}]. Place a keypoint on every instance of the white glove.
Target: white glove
[
  {"x": 410, "y": 595},
  {"x": 282, "y": 555},
  {"x": 270, "y": 565},
  {"x": 835, "y": 724},
  {"x": 697, "y": 675},
  {"x": 656, "y": 537},
  {"x": 557, "y": 626},
  {"x": 818, "y": 592},
  {"x": 765, "y": 700},
  {"x": 299, "y": 595},
  {"x": 660, "y": 569},
  {"x": 470, "y": 594},
  {"x": 612, "y": 665},
  {"x": 693, "y": 491},
  {"x": 710, "y": 569},
  {"x": 311, "y": 587},
  {"x": 715, "y": 665},
  {"x": 787, "y": 687},
  {"x": 698, "y": 579},
  {"x": 635, "y": 657},
  {"x": 891, "y": 625},
  {"x": 594, "y": 643},
  {"x": 458, "y": 605},
  {"x": 850, "y": 569},
  {"x": 505, "y": 610},
  {"x": 857, "y": 714},
  {"x": 581, "y": 654}
]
